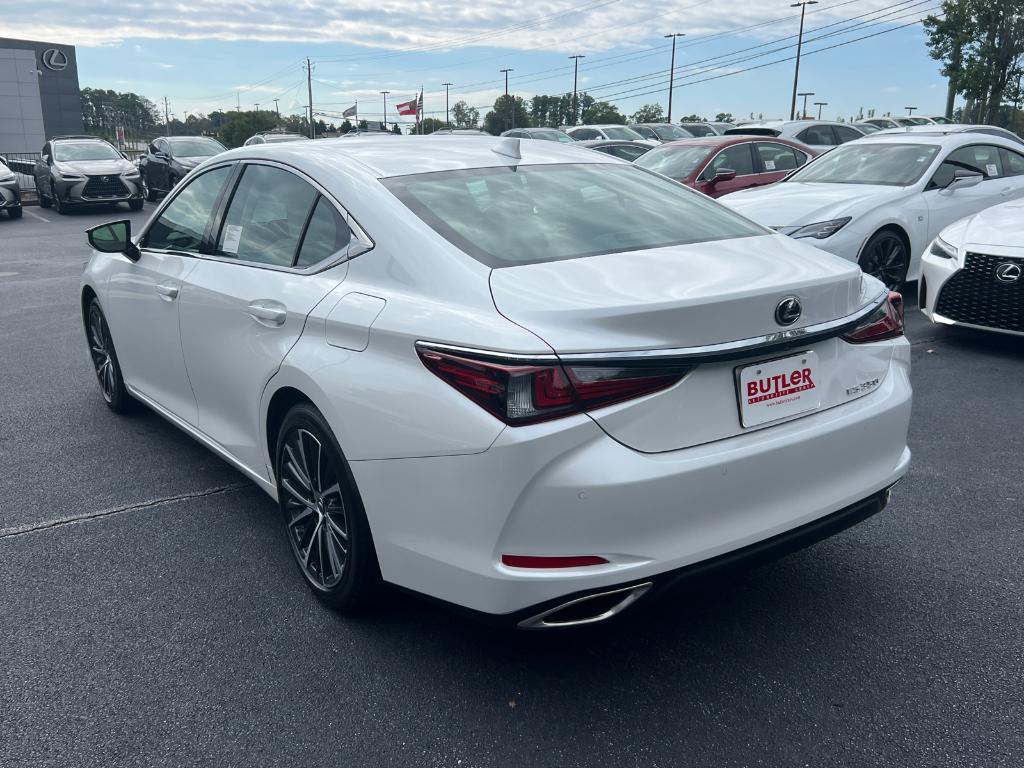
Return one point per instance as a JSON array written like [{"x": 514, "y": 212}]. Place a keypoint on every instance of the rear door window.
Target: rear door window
[
  {"x": 846, "y": 134},
  {"x": 328, "y": 234},
  {"x": 818, "y": 135},
  {"x": 266, "y": 217},
  {"x": 1013, "y": 163}
]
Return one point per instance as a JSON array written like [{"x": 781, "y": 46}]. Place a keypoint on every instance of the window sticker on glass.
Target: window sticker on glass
[
  {"x": 769, "y": 165},
  {"x": 991, "y": 169},
  {"x": 232, "y": 237}
]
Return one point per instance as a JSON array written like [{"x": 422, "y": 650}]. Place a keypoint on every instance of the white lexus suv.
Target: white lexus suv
[{"x": 521, "y": 377}]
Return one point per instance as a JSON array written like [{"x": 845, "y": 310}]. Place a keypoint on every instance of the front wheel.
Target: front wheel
[
  {"x": 58, "y": 206},
  {"x": 14, "y": 213},
  {"x": 135, "y": 205},
  {"x": 886, "y": 257},
  {"x": 322, "y": 513},
  {"x": 44, "y": 200},
  {"x": 147, "y": 190},
  {"x": 104, "y": 361}
]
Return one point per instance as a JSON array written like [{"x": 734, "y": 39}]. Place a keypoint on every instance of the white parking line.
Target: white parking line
[{"x": 34, "y": 214}]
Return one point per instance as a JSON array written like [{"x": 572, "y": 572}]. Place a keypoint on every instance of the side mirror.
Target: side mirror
[
  {"x": 723, "y": 174},
  {"x": 963, "y": 178},
  {"x": 115, "y": 237}
]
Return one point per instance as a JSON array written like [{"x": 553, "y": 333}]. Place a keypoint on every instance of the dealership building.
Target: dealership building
[{"x": 39, "y": 94}]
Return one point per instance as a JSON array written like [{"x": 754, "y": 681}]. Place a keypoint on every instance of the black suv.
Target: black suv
[{"x": 168, "y": 159}]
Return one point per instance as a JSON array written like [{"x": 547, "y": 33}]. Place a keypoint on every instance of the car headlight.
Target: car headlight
[
  {"x": 821, "y": 230},
  {"x": 131, "y": 174},
  {"x": 942, "y": 249},
  {"x": 70, "y": 176}
]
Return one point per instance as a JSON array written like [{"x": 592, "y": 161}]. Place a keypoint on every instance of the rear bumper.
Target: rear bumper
[{"x": 441, "y": 524}]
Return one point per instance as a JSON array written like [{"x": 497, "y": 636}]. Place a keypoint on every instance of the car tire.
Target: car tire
[
  {"x": 59, "y": 207},
  {"x": 886, "y": 256},
  {"x": 322, "y": 513},
  {"x": 44, "y": 201},
  {"x": 104, "y": 361},
  {"x": 14, "y": 213},
  {"x": 135, "y": 205},
  {"x": 148, "y": 191}
]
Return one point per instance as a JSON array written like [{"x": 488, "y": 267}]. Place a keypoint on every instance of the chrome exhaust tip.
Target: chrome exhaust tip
[{"x": 588, "y": 609}]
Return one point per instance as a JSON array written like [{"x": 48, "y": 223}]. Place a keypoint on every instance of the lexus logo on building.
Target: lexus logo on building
[
  {"x": 788, "y": 311},
  {"x": 55, "y": 59},
  {"x": 1008, "y": 272}
]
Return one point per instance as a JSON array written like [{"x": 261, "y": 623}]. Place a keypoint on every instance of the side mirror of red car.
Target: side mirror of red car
[{"x": 723, "y": 174}]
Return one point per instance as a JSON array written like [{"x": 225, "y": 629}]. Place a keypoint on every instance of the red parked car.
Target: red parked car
[{"x": 718, "y": 165}]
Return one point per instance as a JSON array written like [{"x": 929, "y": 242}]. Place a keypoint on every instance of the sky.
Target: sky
[{"x": 736, "y": 57}]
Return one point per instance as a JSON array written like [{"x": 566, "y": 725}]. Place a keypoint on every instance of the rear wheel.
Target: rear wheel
[
  {"x": 322, "y": 513},
  {"x": 104, "y": 361},
  {"x": 886, "y": 257}
]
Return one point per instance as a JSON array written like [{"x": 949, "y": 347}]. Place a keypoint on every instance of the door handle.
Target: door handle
[
  {"x": 1005, "y": 191},
  {"x": 167, "y": 291},
  {"x": 266, "y": 312}
]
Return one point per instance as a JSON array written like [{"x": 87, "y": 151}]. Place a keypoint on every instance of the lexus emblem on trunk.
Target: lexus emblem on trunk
[
  {"x": 1008, "y": 272},
  {"x": 788, "y": 311}
]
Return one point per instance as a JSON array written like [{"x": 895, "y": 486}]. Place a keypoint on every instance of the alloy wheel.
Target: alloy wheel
[
  {"x": 886, "y": 258},
  {"x": 316, "y": 515},
  {"x": 99, "y": 347}
]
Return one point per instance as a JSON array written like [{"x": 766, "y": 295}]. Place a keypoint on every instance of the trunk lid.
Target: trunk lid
[{"x": 692, "y": 296}]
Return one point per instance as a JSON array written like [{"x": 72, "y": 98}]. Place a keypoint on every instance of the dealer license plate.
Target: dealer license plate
[{"x": 777, "y": 389}]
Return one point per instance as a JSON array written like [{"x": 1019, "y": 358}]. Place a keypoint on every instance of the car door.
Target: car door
[
  {"x": 1013, "y": 173},
  {"x": 143, "y": 297},
  {"x": 244, "y": 305},
  {"x": 738, "y": 158},
  {"x": 946, "y": 205},
  {"x": 775, "y": 161},
  {"x": 158, "y": 165}
]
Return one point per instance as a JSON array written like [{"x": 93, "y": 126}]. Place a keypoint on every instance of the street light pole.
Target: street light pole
[
  {"x": 447, "y": 120},
  {"x": 277, "y": 109},
  {"x": 385, "y": 95},
  {"x": 512, "y": 106},
  {"x": 819, "y": 105},
  {"x": 575, "y": 75},
  {"x": 910, "y": 110},
  {"x": 672, "y": 71},
  {"x": 799, "y": 47},
  {"x": 803, "y": 114}
]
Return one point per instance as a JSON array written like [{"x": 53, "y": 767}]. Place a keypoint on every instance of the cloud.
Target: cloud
[
  {"x": 166, "y": 66},
  {"x": 891, "y": 89},
  {"x": 441, "y": 25}
]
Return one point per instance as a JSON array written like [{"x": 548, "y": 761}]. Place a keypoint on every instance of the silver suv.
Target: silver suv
[
  {"x": 10, "y": 196},
  {"x": 85, "y": 169}
]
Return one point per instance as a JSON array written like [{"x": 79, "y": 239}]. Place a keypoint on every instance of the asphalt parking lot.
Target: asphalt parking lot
[{"x": 151, "y": 613}]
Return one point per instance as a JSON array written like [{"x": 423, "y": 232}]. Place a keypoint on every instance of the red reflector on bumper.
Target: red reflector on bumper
[{"x": 564, "y": 561}]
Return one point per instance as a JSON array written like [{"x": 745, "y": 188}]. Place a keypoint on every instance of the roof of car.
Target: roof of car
[
  {"x": 933, "y": 136},
  {"x": 784, "y": 123},
  {"x": 408, "y": 155}
]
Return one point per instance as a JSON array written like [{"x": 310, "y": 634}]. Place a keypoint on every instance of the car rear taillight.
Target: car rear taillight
[
  {"x": 521, "y": 394},
  {"x": 885, "y": 323}
]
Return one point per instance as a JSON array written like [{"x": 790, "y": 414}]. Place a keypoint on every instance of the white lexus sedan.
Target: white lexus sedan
[
  {"x": 524, "y": 378},
  {"x": 880, "y": 200},
  {"x": 973, "y": 272}
]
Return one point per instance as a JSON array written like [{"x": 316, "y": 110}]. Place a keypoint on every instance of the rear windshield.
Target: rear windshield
[{"x": 509, "y": 216}]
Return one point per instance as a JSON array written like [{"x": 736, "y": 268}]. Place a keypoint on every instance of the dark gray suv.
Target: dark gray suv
[
  {"x": 10, "y": 196},
  {"x": 170, "y": 158},
  {"x": 85, "y": 169}
]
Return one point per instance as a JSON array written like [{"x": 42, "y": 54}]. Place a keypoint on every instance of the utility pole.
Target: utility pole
[
  {"x": 277, "y": 109},
  {"x": 309, "y": 89},
  {"x": 512, "y": 106},
  {"x": 447, "y": 120},
  {"x": 799, "y": 47},
  {"x": 672, "y": 72},
  {"x": 167, "y": 119},
  {"x": 257, "y": 107},
  {"x": 819, "y": 105},
  {"x": 575, "y": 75},
  {"x": 910, "y": 110},
  {"x": 803, "y": 114},
  {"x": 238, "y": 96},
  {"x": 385, "y": 95}
]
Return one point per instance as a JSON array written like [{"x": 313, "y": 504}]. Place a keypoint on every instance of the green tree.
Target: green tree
[
  {"x": 431, "y": 124},
  {"x": 692, "y": 119},
  {"x": 723, "y": 117},
  {"x": 981, "y": 45},
  {"x": 239, "y": 126},
  {"x": 508, "y": 112},
  {"x": 599, "y": 112},
  {"x": 464, "y": 116},
  {"x": 649, "y": 113}
]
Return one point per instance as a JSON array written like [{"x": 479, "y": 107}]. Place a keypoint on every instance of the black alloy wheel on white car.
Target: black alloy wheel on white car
[
  {"x": 322, "y": 513},
  {"x": 886, "y": 257},
  {"x": 104, "y": 361}
]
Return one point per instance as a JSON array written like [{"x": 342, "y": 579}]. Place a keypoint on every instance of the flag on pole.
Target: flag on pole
[
  {"x": 411, "y": 107},
  {"x": 350, "y": 112}
]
